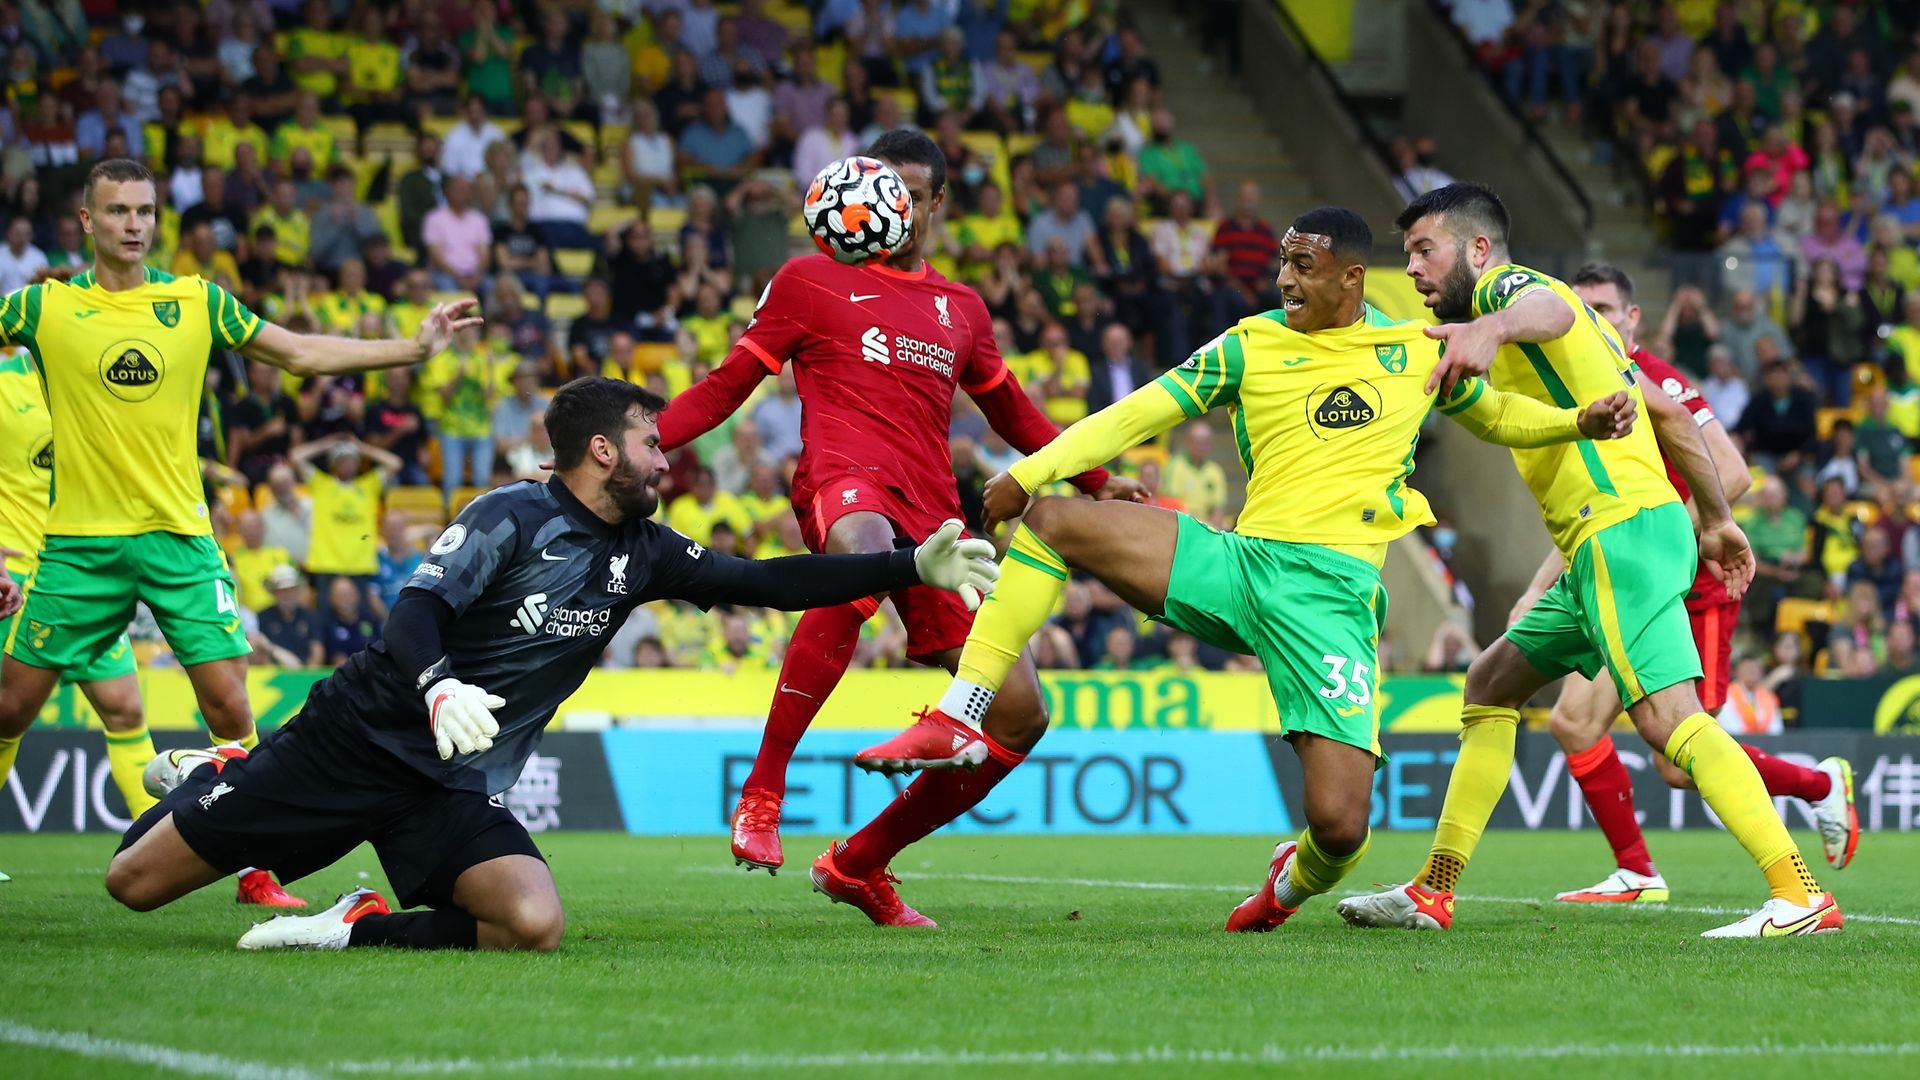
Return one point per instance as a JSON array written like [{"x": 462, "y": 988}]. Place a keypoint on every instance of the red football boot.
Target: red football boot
[
  {"x": 1260, "y": 912},
  {"x": 258, "y": 887},
  {"x": 756, "y": 831},
  {"x": 875, "y": 897},
  {"x": 935, "y": 741}
]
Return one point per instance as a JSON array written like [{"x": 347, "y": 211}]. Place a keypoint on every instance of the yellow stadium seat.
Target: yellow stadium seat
[
  {"x": 792, "y": 16},
  {"x": 420, "y": 505},
  {"x": 649, "y": 357},
  {"x": 235, "y": 499},
  {"x": 388, "y": 213},
  {"x": 342, "y": 127},
  {"x": 580, "y": 129},
  {"x": 606, "y": 217},
  {"x": 573, "y": 263},
  {"x": 1828, "y": 414},
  {"x": 461, "y": 497},
  {"x": 830, "y": 60},
  {"x": 448, "y": 297},
  {"x": 906, "y": 99},
  {"x": 613, "y": 140},
  {"x": 1021, "y": 143},
  {"x": 667, "y": 220},
  {"x": 389, "y": 138},
  {"x": 565, "y": 307},
  {"x": 1037, "y": 60},
  {"x": 607, "y": 177},
  {"x": 440, "y": 125},
  {"x": 1794, "y": 613}
]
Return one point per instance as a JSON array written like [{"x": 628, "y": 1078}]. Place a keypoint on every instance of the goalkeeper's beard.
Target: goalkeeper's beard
[{"x": 631, "y": 489}]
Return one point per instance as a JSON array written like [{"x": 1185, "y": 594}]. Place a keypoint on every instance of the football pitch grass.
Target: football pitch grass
[{"x": 1057, "y": 957}]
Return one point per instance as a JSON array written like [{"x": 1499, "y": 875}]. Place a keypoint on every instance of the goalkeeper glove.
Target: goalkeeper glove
[
  {"x": 461, "y": 717},
  {"x": 966, "y": 566}
]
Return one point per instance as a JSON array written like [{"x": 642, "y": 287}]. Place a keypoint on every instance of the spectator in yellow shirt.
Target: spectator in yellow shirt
[
  {"x": 693, "y": 515},
  {"x": 765, "y": 505},
  {"x": 373, "y": 77},
  {"x": 316, "y": 54},
  {"x": 221, "y": 135},
  {"x": 291, "y": 229},
  {"x": 341, "y": 310},
  {"x": 984, "y": 230},
  {"x": 306, "y": 129},
  {"x": 737, "y": 648},
  {"x": 253, "y": 559},
  {"x": 416, "y": 301},
  {"x": 198, "y": 255},
  {"x": 1061, "y": 374},
  {"x": 346, "y": 507},
  {"x": 1194, "y": 478},
  {"x": 708, "y": 324}
]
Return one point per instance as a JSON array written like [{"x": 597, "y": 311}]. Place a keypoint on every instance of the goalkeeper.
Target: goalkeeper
[
  {"x": 1327, "y": 397},
  {"x": 406, "y": 744}
]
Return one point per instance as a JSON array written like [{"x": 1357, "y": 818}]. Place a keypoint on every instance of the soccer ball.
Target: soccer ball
[
  {"x": 169, "y": 770},
  {"x": 858, "y": 209}
]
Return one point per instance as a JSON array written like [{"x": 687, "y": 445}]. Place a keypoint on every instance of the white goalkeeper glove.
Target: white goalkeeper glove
[
  {"x": 461, "y": 717},
  {"x": 948, "y": 562}
]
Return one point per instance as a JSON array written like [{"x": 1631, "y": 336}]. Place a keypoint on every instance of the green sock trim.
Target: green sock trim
[
  {"x": 1022, "y": 557},
  {"x": 1027, "y": 535},
  {"x": 125, "y": 737}
]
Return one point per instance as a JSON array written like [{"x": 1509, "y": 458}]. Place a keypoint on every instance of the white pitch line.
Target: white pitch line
[
  {"x": 1179, "y": 886},
  {"x": 192, "y": 1062},
  {"x": 1161, "y": 1055}
]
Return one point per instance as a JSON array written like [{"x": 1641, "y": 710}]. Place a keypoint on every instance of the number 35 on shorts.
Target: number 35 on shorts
[{"x": 1349, "y": 679}]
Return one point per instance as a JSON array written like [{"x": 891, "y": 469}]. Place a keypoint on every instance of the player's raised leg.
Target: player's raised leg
[
  {"x": 818, "y": 652},
  {"x": 1581, "y": 718}
]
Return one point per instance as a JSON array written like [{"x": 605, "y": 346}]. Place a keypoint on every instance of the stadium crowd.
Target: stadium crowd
[
  {"x": 617, "y": 182},
  {"x": 1777, "y": 146}
]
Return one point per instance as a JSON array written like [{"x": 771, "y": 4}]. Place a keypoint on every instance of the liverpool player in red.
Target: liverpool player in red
[
  {"x": 1587, "y": 707},
  {"x": 878, "y": 350}
]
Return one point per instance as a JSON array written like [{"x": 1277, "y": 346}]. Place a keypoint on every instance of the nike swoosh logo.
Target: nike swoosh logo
[
  {"x": 87, "y": 314},
  {"x": 552, "y": 558},
  {"x": 24, "y": 408},
  {"x": 857, "y": 298},
  {"x": 1774, "y": 929},
  {"x": 785, "y": 689}
]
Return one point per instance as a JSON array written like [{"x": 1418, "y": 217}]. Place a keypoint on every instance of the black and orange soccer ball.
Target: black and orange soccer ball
[{"x": 858, "y": 209}]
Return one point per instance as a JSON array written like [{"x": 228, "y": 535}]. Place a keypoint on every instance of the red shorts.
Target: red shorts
[
  {"x": 1713, "y": 635},
  {"x": 936, "y": 620}
]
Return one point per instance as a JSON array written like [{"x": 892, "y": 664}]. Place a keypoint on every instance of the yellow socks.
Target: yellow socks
[
  {"x": 1479, "y": 779},
  {"x": 9, "y": 749},
  {"x": 1032, "y": 577},
  {"x": 127, "y": 755},
  {"x": 250, "y": 740},
  {"x": 1730, "y": 784},
  {"x": 1314, "y": 871}
]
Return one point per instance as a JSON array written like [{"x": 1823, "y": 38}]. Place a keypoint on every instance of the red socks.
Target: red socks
[
  {"x": 1609, "y": 791},
  {"x": 1786, "y": 778},
  {"x": 817, "y": 655},
  {"x": 931, "y": 801}
]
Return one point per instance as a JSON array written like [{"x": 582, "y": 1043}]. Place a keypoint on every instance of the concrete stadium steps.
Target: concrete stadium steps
[
  {"x": 1621, "y": 233},
  {"x": 1212, "y": 110}
]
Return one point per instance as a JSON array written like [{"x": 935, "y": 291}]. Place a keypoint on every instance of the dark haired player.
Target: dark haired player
[
  {"x": 1631, "y": 555},
  {"x": 1328, "y": 398},
  {"x": 406, "y": 745},
  {"x": 878, "y": 350},
  {"x": 1586, "y": 708}
]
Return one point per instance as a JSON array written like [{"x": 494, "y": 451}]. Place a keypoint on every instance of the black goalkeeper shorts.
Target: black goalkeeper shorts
[{"x": 310, "y": 793}]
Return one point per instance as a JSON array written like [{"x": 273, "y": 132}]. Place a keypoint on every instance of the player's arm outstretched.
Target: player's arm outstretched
[
  {"x": 1519, "y": 421},
  {"x": 686, "y": 571},
  {"x": 1723, "y": 546},
  {"x": 1531, "y": 312},
  {"x": 323, "y": 354},
  {"x": 1149, "y": 411},
  {"x": 702, "y": 406}
]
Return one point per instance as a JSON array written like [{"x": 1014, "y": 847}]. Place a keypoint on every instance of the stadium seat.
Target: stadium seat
[
  {"x": 1794, "y": 613},
  {"x": 440, "y": 125},
  {"x": 461, "y": 497},
  {"x": 1829, "y": 413},
  {"x": 343, "y": 130},
  {"x": 1020, "y": 144},
  {"x": 667, "y": 220},
  {"x": 573, "y": 262},
  {"x": 565, "y": 307},
  {"x": 419, "y": 504},
  {"x": 607, "y": 217}
]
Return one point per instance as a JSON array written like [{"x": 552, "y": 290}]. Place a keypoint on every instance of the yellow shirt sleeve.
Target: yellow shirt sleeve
[
  {"x": 1510, "y": 419},
  {"x": 1123, "y": 425}
]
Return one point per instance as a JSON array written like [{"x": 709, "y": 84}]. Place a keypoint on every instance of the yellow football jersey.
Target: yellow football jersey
[
  {"x": 123, "y": 374},
  {"x": 1582, "y": 487},
  {"x": 26, "y": 462},
  {"x": 1325, "y": 424}
]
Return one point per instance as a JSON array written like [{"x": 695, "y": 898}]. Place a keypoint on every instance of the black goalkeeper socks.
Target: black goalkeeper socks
[{"x": 437, "y": 928}]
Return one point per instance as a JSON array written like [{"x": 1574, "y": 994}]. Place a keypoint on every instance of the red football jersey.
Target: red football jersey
[
  {"x": 1707, "y": 589},
  {"x": 877, "y": 355}
]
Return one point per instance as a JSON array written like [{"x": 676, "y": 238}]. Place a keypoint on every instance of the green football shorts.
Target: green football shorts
[
  {"x": 115, "y": 662},
  {"x": 1621, "y": 606},
  {"x": 82, "y": 596},
  {"x": 1312, "y": 616}
]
